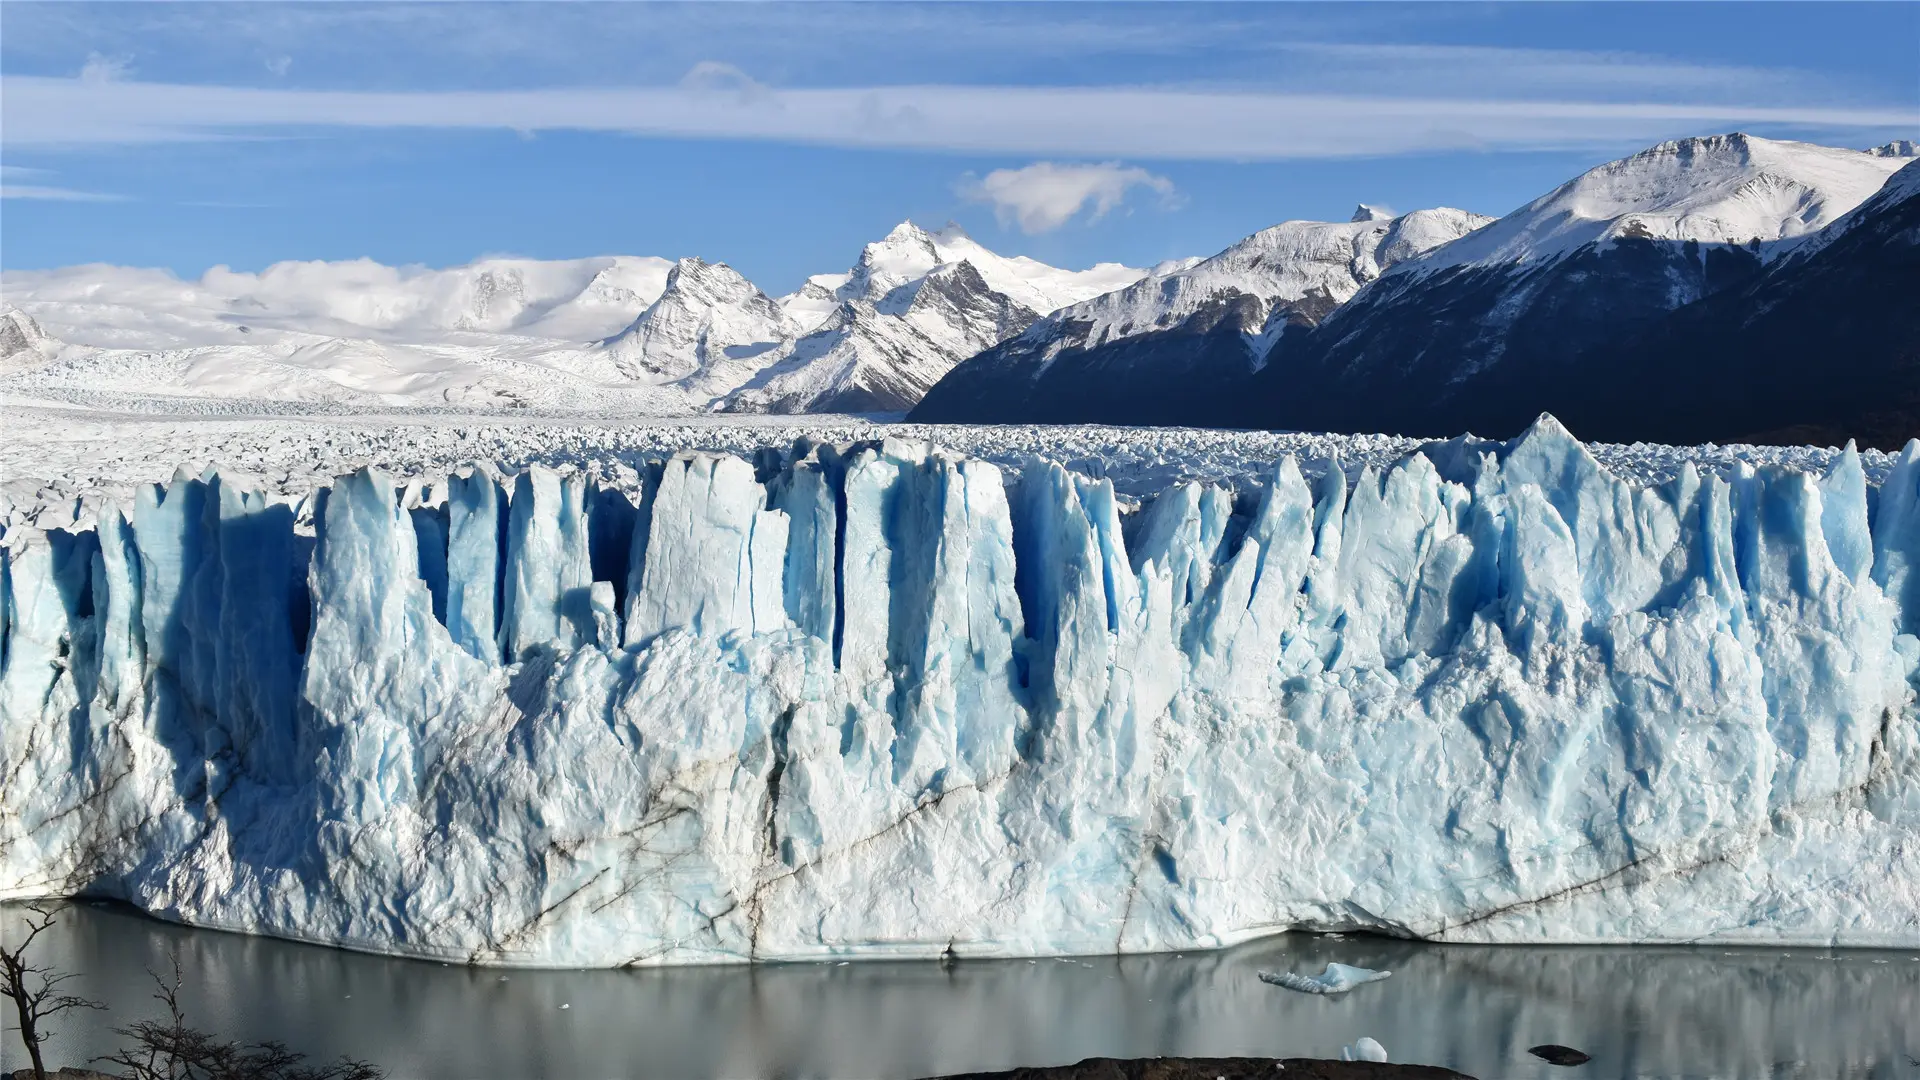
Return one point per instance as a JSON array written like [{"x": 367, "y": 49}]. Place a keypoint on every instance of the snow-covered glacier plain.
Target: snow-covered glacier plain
[{"x": 838, "y": 689}]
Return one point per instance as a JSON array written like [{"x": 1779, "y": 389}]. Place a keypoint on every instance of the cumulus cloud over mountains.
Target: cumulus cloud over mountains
[{"x": 1043, "y": 196}]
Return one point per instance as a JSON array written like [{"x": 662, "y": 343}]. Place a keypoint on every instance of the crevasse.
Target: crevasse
[{"x": 883, "y": 701}]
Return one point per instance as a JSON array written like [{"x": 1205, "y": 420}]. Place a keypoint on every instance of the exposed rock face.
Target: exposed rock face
[
  {"x": 1169, "y": 346},
  {"x": 22, "y": 343},
  {"x": 1635, "y": 338},
  {"x": 710, "y": 323},
  {"x": 883, "y": 354},
  {"x": 1542, "y": 310}
]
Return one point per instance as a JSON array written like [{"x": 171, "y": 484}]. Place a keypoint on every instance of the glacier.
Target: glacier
[{"x": 881, "y": 699}]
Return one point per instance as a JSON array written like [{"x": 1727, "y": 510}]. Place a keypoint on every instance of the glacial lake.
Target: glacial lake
[{"x": 1692, "y": 1011}]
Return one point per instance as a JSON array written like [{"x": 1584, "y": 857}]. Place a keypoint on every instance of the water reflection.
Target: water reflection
[{"x": 1655, "y": 1012}]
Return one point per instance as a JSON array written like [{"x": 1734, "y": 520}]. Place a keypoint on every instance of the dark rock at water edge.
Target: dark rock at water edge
[
  {"x": 1555, "y": 1054},
  {"x": 1173, "y": 1068}
]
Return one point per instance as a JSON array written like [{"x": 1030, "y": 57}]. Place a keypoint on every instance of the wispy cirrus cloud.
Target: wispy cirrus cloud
[
  {"x": 10, "y": 188},
  {"x": 1165, "y": 122},
  {"x": 1043, "y": 196}
]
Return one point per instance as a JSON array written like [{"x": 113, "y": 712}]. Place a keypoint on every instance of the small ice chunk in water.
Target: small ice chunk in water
[
  {"x": 1365, "y": 1049},
  {"x": 1337, "y": 979}
]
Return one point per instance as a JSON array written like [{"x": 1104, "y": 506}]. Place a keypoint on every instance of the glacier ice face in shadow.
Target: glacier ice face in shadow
[{"x": 881, "y": 701}]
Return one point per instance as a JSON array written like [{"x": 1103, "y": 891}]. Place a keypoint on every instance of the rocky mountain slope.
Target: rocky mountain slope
[
  {"x": 1821, "y": 348},
  {"x": 1171, "y": 344},
  {"x": 1532, "y": 312}
]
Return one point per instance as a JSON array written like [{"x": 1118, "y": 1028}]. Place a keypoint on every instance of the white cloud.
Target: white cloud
[
  {"x": 1043, "y": 196},
  {"x": 715, "y": 79},
  {"x": 1138, "y": 122},
  {"x": 56, "y": 194},
  {"x": 40, "y": 190},
  {"x": 102, "y": 69}
]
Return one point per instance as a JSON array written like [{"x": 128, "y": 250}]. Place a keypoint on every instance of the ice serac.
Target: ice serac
[{"x": 885, "y": 700}]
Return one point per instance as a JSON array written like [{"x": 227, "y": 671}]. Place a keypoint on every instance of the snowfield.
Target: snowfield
[
  {"x": 679, "y": 692},
  {"x": 58, "y": 462}
]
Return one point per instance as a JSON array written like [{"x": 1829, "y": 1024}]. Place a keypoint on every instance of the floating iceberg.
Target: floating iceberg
[
  {"x": 882, "y": 701},
  {"x": 1337, "y": 979},
  {"x": 1366, "y": 1049}
]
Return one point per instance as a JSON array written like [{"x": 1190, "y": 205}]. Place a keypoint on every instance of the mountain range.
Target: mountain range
[
  {"x": 1727, "y": 287},
  {"x": 1546, "y": 309},
  {"x": 610, "y": 334}
]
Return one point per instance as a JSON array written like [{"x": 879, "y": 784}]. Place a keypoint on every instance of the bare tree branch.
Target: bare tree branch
[{"x": 34, "y": 988}]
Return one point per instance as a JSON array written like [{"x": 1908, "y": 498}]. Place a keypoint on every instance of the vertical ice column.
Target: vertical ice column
[
  {"x": 611, "y": 517},
  {"x": 49, "y": 740},
  {"x": 1063, "y": 586},
  {"x": 1102, "y": 667},
  {"x": 52, "y": 634},
  {"x": 1896, "y": 537},
  {"x": 383, "y": 678},
  {"x": 715, "y": 558},
  {"x": 549, "y": 569},
  {"x": 178, "y": 533},
  {"x": 867, "y": 554},
  {"x": 1236, "y": 632},
  {"x": 805, "y": 493},
  {"x": 1825, "y": 645},
  {"x": 930, "y": 611},
  {"x": 476, "y": 536},
  {"x": 430, "y": 533},
  {"x": 1845, "y": 520},
  {"x": 1621, "y": 532},
  {"x": 123, "y": 653},
  {"x": 1183, "y": 531},
  {"x": 257, "y": 661},
  {"x": 953, "y": 648}
]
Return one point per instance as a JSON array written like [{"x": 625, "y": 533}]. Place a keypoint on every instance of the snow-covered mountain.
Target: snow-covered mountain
[
  {"x": 1726, "y": 189},
  {"x": 1822, "y": 347},
  {"x": 1445, "y": 327},
  {"x": 616, "y": 333},
  {"x": 1485, "y": 333},
  {"x": 870, "y": 340},
  {"x": 1174, "y": 332},
  {"x": 1427, "y": 322},
  {"x": 882, "y": 355},
  {"x": 1309, "y": 266},
  {"x": 708, "y": 327},
  {"x": 123, "y": 307},
  {"x": 24, "y": 346}
]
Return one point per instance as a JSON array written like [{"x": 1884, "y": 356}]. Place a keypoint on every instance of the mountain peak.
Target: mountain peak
[
  {"x": 905, "y": 253},
  {"x": 1730, "y": 189},
  {"x": 21, "y": 335},
  {"x": 906, "y": 232},
  {"x": 950, "y": 233},
  {"x": 698, "y": 274},
  {"x": 1364, "y": 212},
  {"x": 1898, "y": 148}
]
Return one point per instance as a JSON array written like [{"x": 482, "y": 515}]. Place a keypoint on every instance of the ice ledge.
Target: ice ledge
[{"x": 882, "y": 701}]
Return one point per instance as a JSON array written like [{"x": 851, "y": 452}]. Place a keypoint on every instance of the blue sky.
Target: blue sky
[{"x": 779, "y": 138}]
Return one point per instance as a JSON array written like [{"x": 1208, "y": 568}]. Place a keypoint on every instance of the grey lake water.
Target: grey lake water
[{"x": 1692, "y": 1011}]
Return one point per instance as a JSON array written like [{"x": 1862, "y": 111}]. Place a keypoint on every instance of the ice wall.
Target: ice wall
[{"x": 879, "y": 701}]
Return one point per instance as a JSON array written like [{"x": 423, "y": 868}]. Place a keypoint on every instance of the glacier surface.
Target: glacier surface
[{"x": 883, "y": 699}]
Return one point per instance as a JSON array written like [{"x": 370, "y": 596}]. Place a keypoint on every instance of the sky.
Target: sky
[{"x": 780, "y": 138}]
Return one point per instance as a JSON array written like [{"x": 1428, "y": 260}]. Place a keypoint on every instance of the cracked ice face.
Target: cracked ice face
[{"x": 897, "y": 701}]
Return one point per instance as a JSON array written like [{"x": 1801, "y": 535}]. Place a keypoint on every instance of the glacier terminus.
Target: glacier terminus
[{"x": 882, "y": 699}]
